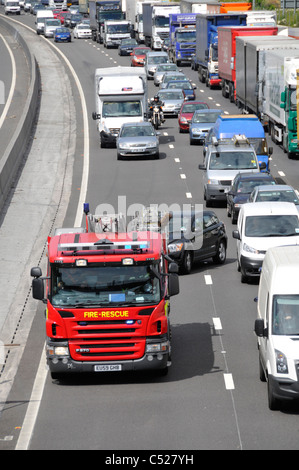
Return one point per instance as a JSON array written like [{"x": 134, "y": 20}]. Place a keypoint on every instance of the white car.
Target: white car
[
  {"x": 50, "y": 27},
  {"x": 27, "y": 6},
  {"x": 82, "y": 31}
]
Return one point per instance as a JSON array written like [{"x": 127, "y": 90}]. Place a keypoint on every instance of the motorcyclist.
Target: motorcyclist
[{"x": 156, "y": 102}]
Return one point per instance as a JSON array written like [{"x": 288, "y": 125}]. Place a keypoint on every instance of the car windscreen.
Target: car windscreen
[
  {"x": 204, "y": 117},
  {"x": 171, "y": 95},
  {"x": 233, "y": 161},
  {"x": 136, "y": 131},
  {"x": 272, "y": 226},
  {"x": 283, "y": 196}
]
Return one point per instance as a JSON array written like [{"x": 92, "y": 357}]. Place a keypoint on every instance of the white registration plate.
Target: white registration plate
[{"x": 107, "y": 368}]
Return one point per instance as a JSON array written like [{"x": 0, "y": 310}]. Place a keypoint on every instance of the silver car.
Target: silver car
[
  {"x": 172, "y": 99},
  {"x": 201, "y": 122},
  {"x": 170, "y": 76},
  {"x": 50, "y": 27},
  {"x": 137, "y": 139},
  {"x": 278, "y": 193},
  {"x": 161, "y": 69}
]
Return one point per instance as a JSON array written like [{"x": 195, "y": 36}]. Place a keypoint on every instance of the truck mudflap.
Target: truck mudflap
[{"x": 156, "y": 357}]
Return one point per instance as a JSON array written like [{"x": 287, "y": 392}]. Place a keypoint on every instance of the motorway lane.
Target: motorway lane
[{"x": 191, "y": 407}]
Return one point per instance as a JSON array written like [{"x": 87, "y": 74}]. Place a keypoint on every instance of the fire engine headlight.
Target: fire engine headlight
[
  {"x": 58, "y": 350},
  {"x": 157, "y": 347},
  {"x": 174, "y": 247}
]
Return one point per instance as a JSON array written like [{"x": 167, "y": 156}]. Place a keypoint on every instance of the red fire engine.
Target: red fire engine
[{"x": 107, "y": 295}]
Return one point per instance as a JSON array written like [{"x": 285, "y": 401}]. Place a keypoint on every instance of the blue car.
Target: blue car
[
  {"x": 185, "y": 85},
  {"x": 201, "y": 122},
  {"x": 62, "y": 35}
]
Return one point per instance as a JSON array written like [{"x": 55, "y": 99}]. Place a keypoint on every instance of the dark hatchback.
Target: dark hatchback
[
  {"x": 196, "y": 236},
  {"x": 242, "y": 186},
  {"x": 126, "y": 46}
]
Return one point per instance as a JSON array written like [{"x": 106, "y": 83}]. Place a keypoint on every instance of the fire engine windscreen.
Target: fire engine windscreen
[
  {"x": 122, "y": 108},
  {"x": 109, "y": 285}
]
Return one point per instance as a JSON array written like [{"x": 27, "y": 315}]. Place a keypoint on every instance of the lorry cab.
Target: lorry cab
[{"x": 277, "y": 324}]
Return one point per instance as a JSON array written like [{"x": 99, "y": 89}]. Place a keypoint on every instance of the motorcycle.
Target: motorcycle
[{"x": 156, "y": 114}]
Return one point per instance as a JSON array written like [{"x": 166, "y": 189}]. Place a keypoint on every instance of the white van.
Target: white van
[
  {"x": 277, "y": 324},
  {"x": 12, "y": 7},
  {"x": 262, "y": 225},
  {"x": 41, "y": 17}
]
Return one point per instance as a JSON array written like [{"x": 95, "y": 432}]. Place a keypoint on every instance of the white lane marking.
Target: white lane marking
[
  {"x": 189, "y": 195},
  {"x": 183, "y": 177},
  {"x": 177, "y": 160},
  {"x": 208, "y": 279},
  {"x": 13, "y": 83},
  {"x": 281, "y": 173},
  {"x": 229, "y": 381},
  {"x": 33, "y": 406},
  {"x": 171, "y": 146},
  {"x": 217, "y": 323}
]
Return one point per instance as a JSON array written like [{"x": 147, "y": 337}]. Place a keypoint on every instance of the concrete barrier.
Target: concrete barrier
[{"x": 16, "y": 150}]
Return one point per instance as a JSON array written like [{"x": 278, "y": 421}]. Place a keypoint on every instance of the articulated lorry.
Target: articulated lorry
[
  {"x": 107, "y": 298},
  {"x": 206, "y": 54},
  {"x": 120, "y": 96},
  {"x": 134, "y": 13},
  {"x": 227, "y": 53},
  {"x": 101, "y": 11},
  {"x": 156, "y": 22},
  {"x": 266, "y": 85},
  {"x": 182, "y": 35}
]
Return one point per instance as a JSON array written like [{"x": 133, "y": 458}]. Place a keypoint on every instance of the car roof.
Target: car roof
[
  {"x": 276, "y": 187},
  {"x": 206, "y": 110},
  {"x": 255, "y": 176},
  {"x": 269, "y": 208},
  {"x": 137, "y": 123}
]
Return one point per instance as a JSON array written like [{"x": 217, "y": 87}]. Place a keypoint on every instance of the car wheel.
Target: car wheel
[
  {"x": 234, "y": 217},
  {"x": 157, "y": 156},
  {"x": 228, "y": 211},
  {"x": 119, "y": 157},
  {"x": 187, "y": 263},
  {"x": 220, "y": 256}
]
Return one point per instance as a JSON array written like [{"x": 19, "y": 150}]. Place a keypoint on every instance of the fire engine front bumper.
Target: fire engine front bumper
[{"x": 60, "y": 361}]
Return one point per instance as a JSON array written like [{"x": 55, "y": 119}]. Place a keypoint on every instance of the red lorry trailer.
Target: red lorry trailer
[
  {"x": 227, "y": 53},
  {"x": 107, "y": 297}
]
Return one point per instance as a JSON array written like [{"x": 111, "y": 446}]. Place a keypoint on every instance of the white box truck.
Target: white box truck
[
  {"x": 120, "y": 96},
  {"x": 115, "y": 31},
  {"x": 277, "y": 324}
]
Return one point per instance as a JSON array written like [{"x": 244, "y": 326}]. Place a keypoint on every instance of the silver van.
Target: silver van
[
  {"x": 222, "y": 163},
  {"x": 152, "y": 59}
]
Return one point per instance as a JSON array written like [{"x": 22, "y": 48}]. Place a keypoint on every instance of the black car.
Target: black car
[
  {"x": 126, "y": 46},
  {"x": 196, "y": 236},
  {"x": 75, "y": 19},
  {"x": 242, "y": 186}
]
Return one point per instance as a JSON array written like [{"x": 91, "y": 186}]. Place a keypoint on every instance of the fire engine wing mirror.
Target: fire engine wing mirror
[
  {"x": 37, "y": 283},
  {"x": 173, "y": 268},
  {"x": 173, "y": 284}
]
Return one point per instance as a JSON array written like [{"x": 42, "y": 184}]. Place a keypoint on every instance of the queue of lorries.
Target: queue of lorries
[{"x": 255, "y": 63}]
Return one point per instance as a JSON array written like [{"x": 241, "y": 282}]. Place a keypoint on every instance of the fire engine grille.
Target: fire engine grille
[{"x": 107, "y": 350}]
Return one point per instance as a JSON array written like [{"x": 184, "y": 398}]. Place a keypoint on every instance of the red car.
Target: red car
[
  {"x": 138, "y": 56},
  {"x": 56, "y": 13},
  {"x": 61, "y": 16},
  {"x": 186, "y": 113}
]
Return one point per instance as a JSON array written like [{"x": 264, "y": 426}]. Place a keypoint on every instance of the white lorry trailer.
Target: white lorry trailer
[
  {"x": 120, "y": 96},
  {"x": 156, "y": 22}
]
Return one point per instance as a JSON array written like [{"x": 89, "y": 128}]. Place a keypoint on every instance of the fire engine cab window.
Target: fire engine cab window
[{"x": 115, "y": 285}]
